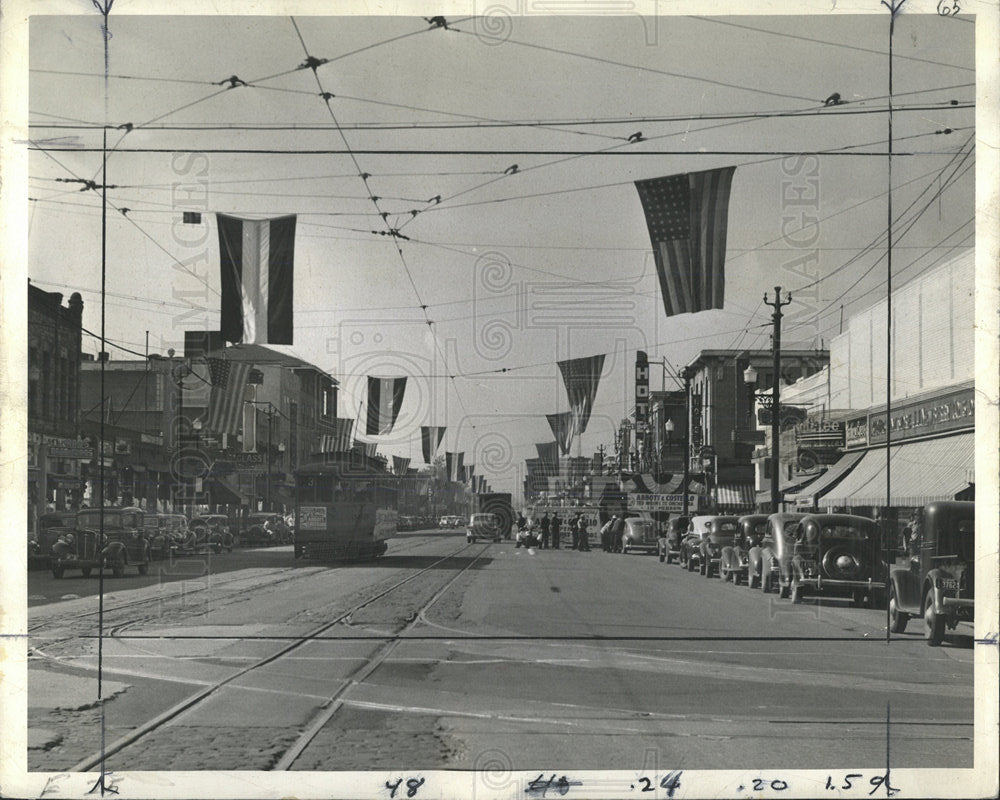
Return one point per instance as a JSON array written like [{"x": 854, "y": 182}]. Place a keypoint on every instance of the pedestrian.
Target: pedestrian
[
  {"x": 916, "y": 531},
  {"x": 522, "y": 523},
  {"x": 546, "y": 530},
  {"x": 574, "y": 530},
  {"x": 555, "y": 525},
  {"x": 617, "y": 531},
  {"x": 581, "y": 524},
  {"x": 606, "y": 533}
]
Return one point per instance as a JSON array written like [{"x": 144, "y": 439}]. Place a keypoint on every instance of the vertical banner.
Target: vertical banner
[
  {"x": 581, "y": 376},
  {"x": 256, "y": 269},
  {"x": 430, "y": 440},
  {"x": 641, "y": 391},
  {"x": 385, "y": 398},
  {"x": 562, "y": 426}
]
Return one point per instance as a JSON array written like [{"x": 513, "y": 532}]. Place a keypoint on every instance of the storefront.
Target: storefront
[{"x": 931, "y": 457}]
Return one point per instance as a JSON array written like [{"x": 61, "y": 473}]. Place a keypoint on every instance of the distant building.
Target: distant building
[{"x": 55, "y": 453}]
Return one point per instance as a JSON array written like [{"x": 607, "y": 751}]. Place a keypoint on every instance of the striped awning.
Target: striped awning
[
  {"x": 731, "y": 498},
  {"x": 810, "y": 494},
  {"x": 920, "y": 473}
]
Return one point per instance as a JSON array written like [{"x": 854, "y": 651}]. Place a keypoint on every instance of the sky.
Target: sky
[{"x": 503, "y": 271}]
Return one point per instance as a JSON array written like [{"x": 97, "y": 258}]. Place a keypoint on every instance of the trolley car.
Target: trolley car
[{"x": 345, "y": 508}]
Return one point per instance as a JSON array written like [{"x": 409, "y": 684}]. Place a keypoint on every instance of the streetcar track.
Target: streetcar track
[
  {"x": 171, "y": 713},
  {"x": 335, "y": 701}
]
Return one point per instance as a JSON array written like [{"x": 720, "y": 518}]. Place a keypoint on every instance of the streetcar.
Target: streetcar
[{"x": 345, "y": 507}]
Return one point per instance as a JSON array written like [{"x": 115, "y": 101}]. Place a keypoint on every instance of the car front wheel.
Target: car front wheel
[{"x": 897, "y": 618}]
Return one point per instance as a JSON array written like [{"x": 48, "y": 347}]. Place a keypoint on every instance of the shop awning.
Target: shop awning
[
  {"x": 226, "y": 490},
  {"x": 809, "y": 495},
  {"x": 921, "y": 472},
  {"x": 734, "y": 498}
]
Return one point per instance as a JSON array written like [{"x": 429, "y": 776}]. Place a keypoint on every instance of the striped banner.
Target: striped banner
[
  {"x": 581, "y": 376},
  {"x": 385, "y": 398},
  {"x": 400, "y": 465},
  {"x": 368, "y": 448},
  {"x": 453, "y": 463},
  {"x": 562, "y": 428},
  {"x": 687, "y": 216},
  {"x": 340, "y": 440},
  {"x": 548, "y": 454},
  {"x": 256, "y": 265},
  {"x": 430, "y": 439},
  {"x": 225, "y": 402}
]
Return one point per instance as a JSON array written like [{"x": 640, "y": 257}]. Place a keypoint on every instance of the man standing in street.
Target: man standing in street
[
  {"x": 581, "y": 531},
  {"x": 555, "y": 525},
  {"x": 545, "y": 530}
]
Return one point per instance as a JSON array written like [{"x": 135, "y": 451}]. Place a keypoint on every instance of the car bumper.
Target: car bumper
[{"x": 819, "y": 584}]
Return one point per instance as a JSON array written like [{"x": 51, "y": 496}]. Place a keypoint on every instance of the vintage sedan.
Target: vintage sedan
[
  {"x": 771, "y": 559},
  {"x": 719, "y": 532},
  {"x": 117, "y": 541},
  {"x": 640, "y": 536},
  {"x": 689, "y": 554},
  {"x": 670, "y": 541},
  {"x": 484, "y": 526},
  {"x": 209, "y": 533},
  {"x": 839, "y": 554},
  {"x": 265, "y": 529},
  {"x": 734, "y": 562},
  {"x": 167, "y": 533},
  {"x": 939, "y": 582},
  {"x": 49, "y": 528}
]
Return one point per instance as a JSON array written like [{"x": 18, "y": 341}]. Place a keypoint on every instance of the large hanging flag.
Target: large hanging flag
[
  {"x": 256, "y": 263},
  {"x": 562, "y": 428},
  {"x": 453, "y": 463},
  {"x": 470, "y": 475},
  {"x": 340, "y": 440},
  {"x": 368, "y": 448},
  {"x": 548, "y": 455},
  {"x": 430, "y": 439},
  {"x": 400, "y": 464},
  {"x": 688, "y": 216},
  {"x": 581, "y": 376},
  {"x": 385, "y": 398},
  {"x": 225, "y": 402}
]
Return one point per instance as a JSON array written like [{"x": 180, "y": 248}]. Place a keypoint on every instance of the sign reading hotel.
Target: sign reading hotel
[
  {"x": 641, "y": 391},
  {"x": 950, "y": 411}
]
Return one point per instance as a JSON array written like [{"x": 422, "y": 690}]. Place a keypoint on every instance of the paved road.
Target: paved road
[{"x": 486, "y": 657}]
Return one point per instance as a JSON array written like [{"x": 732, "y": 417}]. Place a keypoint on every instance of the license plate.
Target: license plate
[{"x": 949, "y": 583}]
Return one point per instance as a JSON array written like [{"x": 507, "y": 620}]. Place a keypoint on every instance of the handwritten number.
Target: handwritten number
[
  {"x": 882, "y": 780},
  {"x": 649, "y": 785},
  {"x": 671, "y": 782},
  {"x": 412, "y": 785},
  {"x": 948, "y": 8},
  {"x": 829, "y": 783},
  {"x": 848, "y": 777},
  {"x": 541, "y": 785},
  {"x": 392, "y": 787},
  {"x": 779, "y": 785}
]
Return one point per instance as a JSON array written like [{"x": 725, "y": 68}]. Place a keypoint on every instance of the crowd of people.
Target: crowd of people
[{"x": 548, "y": 531}]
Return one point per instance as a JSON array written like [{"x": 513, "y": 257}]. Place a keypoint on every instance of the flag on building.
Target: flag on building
[
  {"x": 340, "y": 440},
  {"x": 562, "y": 429},
  {"x": 480, "y": 484},
  {"x": 400, "y": 465},
  {"x": 548, "y": 455},
  {"x": 470, "y": 475},
  {"x": 225, "y": 402},
  {"x": 256, "y": 264},
  {"x": 581, "y": 376},
  {"x": 385, "y": 398},
  {"x": 430, "y": 439},
  {"x": 453, "y": 463},
  {"x": 688, "y": 216},
  {"x": 368, "y": 448}
]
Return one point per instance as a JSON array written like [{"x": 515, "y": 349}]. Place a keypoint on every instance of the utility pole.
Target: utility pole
[
  {"x": 686, "y": 375},
  {"x": 777, "y": 305}
]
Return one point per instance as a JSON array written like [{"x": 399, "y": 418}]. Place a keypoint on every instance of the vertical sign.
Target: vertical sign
[{"x": 641, "y": 391}]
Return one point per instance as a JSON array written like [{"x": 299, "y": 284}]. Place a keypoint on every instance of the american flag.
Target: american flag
[
  {"x": 225, "y": 404},
  {"x": 385, "y": 398},
  {"x": 340, "y": 440},
  {"x": 581, "y": 376},
  {"x": 430, "y": 438},
  {"x": 400, "y": 465},
  {"x": 453, "y": 463},
  {"x": 687, "y": 216},
  {"x": 368, "y": 448},
  {"x": 562, "y": 430}
]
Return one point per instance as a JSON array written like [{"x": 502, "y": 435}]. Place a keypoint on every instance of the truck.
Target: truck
[{"x": 498, "y": 503}]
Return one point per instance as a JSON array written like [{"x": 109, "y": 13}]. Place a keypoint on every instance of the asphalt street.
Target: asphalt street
[{"x": 447, "y": 655}]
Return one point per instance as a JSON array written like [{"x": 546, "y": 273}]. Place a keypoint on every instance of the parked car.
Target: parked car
[
  {"x": 49, "y": 528},
  {"x": 209, "y": 533},
  {"x": 734, "y": 561},
  {"x": 640, "y": 535},
  {"x": 719, "y": 532},
  {"x": 484, "y": 526},
  {"x": 939, "y": 583},
  {"x": 670, "y": 541},
  {"x": 771, "y": 560},
  {"x": 838, "y": 554},
  {"x": 450, "y": 521},
  {"x": 117, "y": 542},
  {"x": 166, "y": 533},
  {"x": 689, "y": 552},
  {"x": 266, "y": 529}
]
